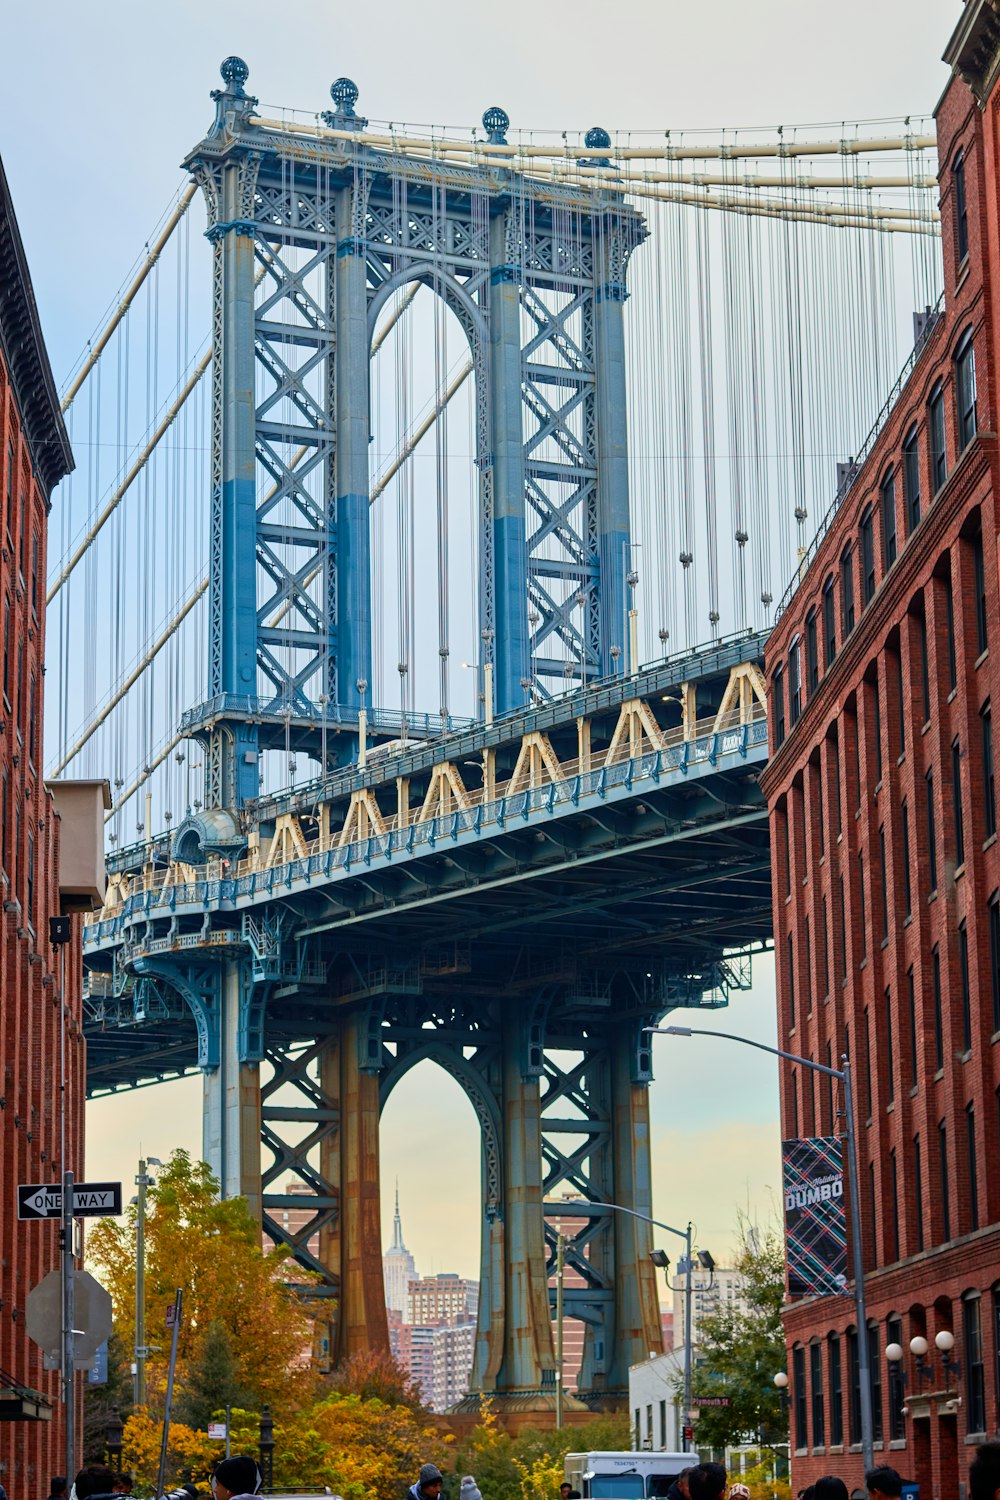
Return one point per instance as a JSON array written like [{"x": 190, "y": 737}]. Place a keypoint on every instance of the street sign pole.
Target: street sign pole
[
  {"x": 178, "y": 1299},
  {"x": 69, "y": 1315}
]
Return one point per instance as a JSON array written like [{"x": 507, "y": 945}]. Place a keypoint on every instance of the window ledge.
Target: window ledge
[
  {"x": 878, "y": 787},
  {"x": 890, "y": 1109},
  {"x": 898, "y": 1445},
  {"x": 857, "y": 814},
  {"x": 965, "y": 1057},
  {"x": 914, "y": 1091},
  {"x": 836, "y": 1449},
  {"x": 960, "y": 870},
  {"x": 926, "y": 727},
  {"x": 960, "y": 277},
  {"x": 995, "y": 1037},
  {"x": 988, "y": 843},
  {"x": 801, "y": 1452},
  {"x": 884, "y": 943},
  {"x": 976, "y": 1437},
  {"x": 939, "y": 1075},
  {"x": 901, "y": 758},
  {"x": 908, "y": 919},
  {"x": 983, "y": 656},
  {"x": 933, "y": 896},
  {"x": 952, "y": 695},
  {"x": 864, "y": 962}
]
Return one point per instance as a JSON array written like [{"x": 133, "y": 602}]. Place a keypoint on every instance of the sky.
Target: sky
[{"x": 95, "y": 117}]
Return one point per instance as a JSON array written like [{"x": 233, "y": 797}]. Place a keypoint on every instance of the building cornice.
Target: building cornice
[
  {"x": 973, "y": 53},
  {"x": 25, "y": 356}
]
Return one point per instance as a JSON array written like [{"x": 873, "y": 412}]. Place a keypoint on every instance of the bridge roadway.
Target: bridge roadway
[{"x": 516, "y": 901}]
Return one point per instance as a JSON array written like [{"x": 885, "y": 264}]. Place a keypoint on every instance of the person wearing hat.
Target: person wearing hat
[
  {"x": 427, "y": 1487},
  {"x": 469, "y": 1489},
  {"x": 238, "y": 1475}
]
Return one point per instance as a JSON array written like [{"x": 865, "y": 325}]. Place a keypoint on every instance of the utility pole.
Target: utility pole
[
  {"x": 68, "y": 1320},
  {"x": 142, "y": 1182},
  {"x": 687, "y": 1338},
  {"x": 560, "y": 1268}
]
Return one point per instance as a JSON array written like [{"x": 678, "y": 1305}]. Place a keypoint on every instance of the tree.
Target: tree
[
  {"x": 531, "y": 1464},
  {"x": 211, "y": 1249},
  {"x": 211, "y": 1382},
  {"x": 738, "y": 1352},
  {"x": 374, "y": 1375},
  {"x": 102, "y": 1402}
]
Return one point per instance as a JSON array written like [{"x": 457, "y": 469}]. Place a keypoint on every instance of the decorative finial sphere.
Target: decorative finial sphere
[
  {"x": 496, "y": 122},
  {"x": 234, "y": 70},
  {"x": 597, "y": 138},
  {"x": 344, "y": 93}
]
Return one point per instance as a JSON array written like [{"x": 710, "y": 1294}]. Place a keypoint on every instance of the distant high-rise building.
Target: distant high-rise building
[
  {"x": 573, "y": 1330},
  {"x": 709, "y": 1294},
  {"x": 398, "y": 1268},
  {"x": 438, "y": 1358},
  {"x": 445, "y": 1298}
]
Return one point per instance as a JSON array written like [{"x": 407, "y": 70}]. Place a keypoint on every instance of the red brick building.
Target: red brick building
[
  {"x": 883, "y": 672},
  {"x": 34, "y": 456}
]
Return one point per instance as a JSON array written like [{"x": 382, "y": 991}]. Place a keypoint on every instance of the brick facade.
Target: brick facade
[
  {"x": 34, "y": 454},
  {"x": 883, "y": 672}
]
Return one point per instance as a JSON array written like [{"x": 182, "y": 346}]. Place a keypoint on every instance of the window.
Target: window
[
  {"x": 877, "y": 707},
  {"x": 935, "y": 422},
  {"x": 885, "y": 885},
  {"x": 6, "y": 649},
  {"x": 868, "y": 1065},
  {"x": 918, "y": 1193},
  {"x": 938, "y": 1017},
  {"x": 931, "y": 842},
  {"x": 30, "y": 882},
  {"x": 808, "y": 947},
  {"x": 638, "y": 1430},
  {"x": 799, "y": 1395},
  {"x": 854, "y": 1384},
  {"x": 795, "y": 1101},
  {"x": 888, "y": 520},
  {"x": 996, "y": 1342},
  {"x": 820, "y": 810},
  {"x": 995, "y": 956},
  {"x": 989, "y": 785},
  {"x": 961, "y": 225},
  {"x": 783, "y": 815},
  {"x": 816, "y": 1389},
  {"x": 979, "y": 575},
  {"x": 963, "y": 969},
  {"x": 794, "y": 683},
  {"x": 861, "y": 905},
  {"x": 31, "y": 719},
  {"x": 949, "y": 608},
  {"x": 843, "y": 931},
  {"x": 894, "y": 1190},
  {"x": 837, "y": 1392},
  {"x": 905, "y": 832},
  {"x": 970, "y": 1142},
  {"x": 897, "y": 1422},
  {"x": 10, "y": 485},
  {"x": 34, "y": 572},
  {"x": 912, "y": 997},
  {"x": 778, "y": 693},
  {"x": 812, "y": 657},
  {"x": 4, "y": 815},
  {"x": 825, "y": 953},
  {"x": 791, "y": 984},
  {"x": 925, "y": 677},
  {"x": 900, "y": 700},
  {"x": 956, "y": 800},
  {"x": 911, "y": 478},
  {"x": 975, "y": 1373},
  {"x": 965, "y": 391},
  {"x": 890, "y": 1055},
  {"x": 663, "y": 1425},
  {"x": 847, "y": 589},
  {"x": 829, "y": 622},
  {"x": 867, "y": 555},
  {"x": 945, "y": 1186},
  {"x": 20, "y": 535},
  {"x": 875, "y": 1358}
]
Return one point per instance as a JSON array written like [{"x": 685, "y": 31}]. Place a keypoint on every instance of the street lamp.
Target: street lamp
[
  {"x": 660, "y": 1258},
  {"x": 844, "y": 1075}
]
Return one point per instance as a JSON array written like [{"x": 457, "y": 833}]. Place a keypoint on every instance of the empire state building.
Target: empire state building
[{"x": 398, "y": 1268}]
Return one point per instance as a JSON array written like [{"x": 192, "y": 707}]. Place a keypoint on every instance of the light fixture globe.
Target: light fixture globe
[
  {"x": 919, "y": 1346},
  {"x": 945, "y": 1341},
  {"x": 893, "y": 1353},
  {"x": 781, "y": 1380}
]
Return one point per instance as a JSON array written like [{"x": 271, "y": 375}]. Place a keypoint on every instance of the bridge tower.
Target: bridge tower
[{"x": 313, "y": 230}]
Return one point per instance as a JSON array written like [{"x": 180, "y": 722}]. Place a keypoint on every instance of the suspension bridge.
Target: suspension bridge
[{"x": 564, "y": 412}]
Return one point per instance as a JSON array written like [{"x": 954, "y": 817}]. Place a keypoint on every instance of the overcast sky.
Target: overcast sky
[{"x": 95, "y": 115}]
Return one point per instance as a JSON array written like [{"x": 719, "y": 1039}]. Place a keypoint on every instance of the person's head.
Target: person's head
[
  {"x": 809, "y": 1493},
  {"x": 739, "y": 1492},
  {"x": 238, "y": 1475},
  {"x": 95, "y": 1479},
  {"x": 123, "y": 1484},
  {"x": 984, "y": 1473},
  {"x": 564, "y": 1490},
  {"x": 430, "y": 1481},
  {"x": 707, "y": 1482},
  {"x": 883, "y": 1483},
  {"x": 57, "y": 1486},
  {"x": 682, "y": 1482},
  {"x": 830, "y": 1488}
]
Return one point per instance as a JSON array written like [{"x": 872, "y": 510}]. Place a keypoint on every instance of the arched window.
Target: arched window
[
  {"x": 794, "y": 682},
  {"x": 799, "y": 1400},
  {"x": 975, "y": 1371},
  {"x": 847, "y": 588},
  {"x": 867, "y": 555},
  {"x": 778, "y": 697},
  {"x": 935, "y": 423},
  {"x": 965, "y": 389},
  {"x": 961, "y": 211},
  {"x": 812, "y": 654},
  {"x": 911, "y": 477},
  {"x": 829, "y": 622},
  {"x": 888, "y": 488}
]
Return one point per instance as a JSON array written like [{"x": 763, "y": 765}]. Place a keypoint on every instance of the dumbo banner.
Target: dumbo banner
[{"x": 815, "y": 1225}]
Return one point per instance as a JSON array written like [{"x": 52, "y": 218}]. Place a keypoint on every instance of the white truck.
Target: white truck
[{"x": 625, "y": 1476}]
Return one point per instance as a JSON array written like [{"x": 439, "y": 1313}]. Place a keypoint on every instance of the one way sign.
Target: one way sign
[{"x": 91, "y": 1200}]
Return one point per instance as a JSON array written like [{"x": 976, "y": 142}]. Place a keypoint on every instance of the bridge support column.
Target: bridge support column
[
  {"x": 352, "y": 648},
  {"x": 231, "y": 1117},
  {"x": 614, "y": 533},
  {"x": 637, "y": 1318},
  {"x": 510, "y": 555},
  {"x": 528, "y": 1363},
  {"x": 350, "y": 1245}
]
